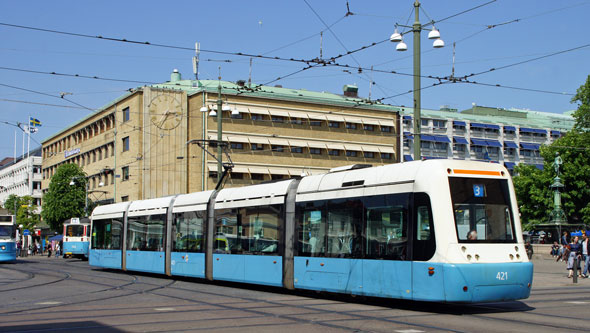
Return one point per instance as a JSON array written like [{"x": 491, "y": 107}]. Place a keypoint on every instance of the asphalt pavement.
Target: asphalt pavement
[{"x": 40, "y": 294}]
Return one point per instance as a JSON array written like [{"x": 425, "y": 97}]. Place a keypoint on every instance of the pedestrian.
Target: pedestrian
[
  {"x": 564, "y": 239},
  {"x": 49, "y": 251},
  {"x": 529, "y": 250},
  {"x": 575, "y": 253},
  {"x": 585, "y": 254},
  {"x": 554, "y": 249},
  {"x": 57, "y": 249},
  {"x": 19, "y": 247}
]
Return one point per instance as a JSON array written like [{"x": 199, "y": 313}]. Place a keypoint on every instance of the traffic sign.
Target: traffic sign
[{"x": 26, "y": 232}]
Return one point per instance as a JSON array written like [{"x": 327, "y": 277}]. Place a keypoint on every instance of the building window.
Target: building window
[
  {"x": 212, "y": 174},
  {"x": 126, "y": 114},
  {"x": 458, "y": 147},
  {"x": 440, "y": 146},
  {"x": 94, "y": 156},
  {"x": 425, "y": 122},
  {"x": 277, "y": 177},
  {"x": 237, "y": 175},
  {"x": 439, "y": 123},
  {"x": 477, "y": 149},
  {"x": 315, "y": 151},
  {"x": 350, "y": 126},
  {"x": 237, "y": 115},
  {"x": 237, "y": 145},
  {"x": 334, "y": 152},
  {"x": 278, "y": 119},
  {"x": 278, "y": 149},
  {"x": 296, "y": 121},
  {"x": 407, "y": 143},
  {"x": 125, "y": 198},
  {"x": 369, "y": 154},
  {"x": 99, "y": 154},
  {"x": 125, "y": 172},
  {"x": 257, "y": 117},
  {"x": 425, "y": 144},
  {"x": 351, "y": 153},
  {"x": 316, "y": 123},
  {"x": 333, "y": 124},
  {"x": 386, "y": 156},
  {"x": 297, "y": 150},
  {"x": 386, "y": 129},
  {"x": 125, "y": 143},
  {"x": 256, "y": 146},
  {"x": 368, "y": 127},
  {"x": 257, "y": 176}
]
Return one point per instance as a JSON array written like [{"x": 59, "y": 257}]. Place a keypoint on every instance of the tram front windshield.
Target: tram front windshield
[
  {"x": 75, "y": 230},
  {"x": 482, "y": 210},
  {"x": 6, "y": 231}
]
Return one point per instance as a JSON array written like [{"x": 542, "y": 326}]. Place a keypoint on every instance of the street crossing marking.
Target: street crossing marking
[
  {"x": 164, "y": 309},
  {"x": 48, "y": 303},
  {"x": 409, "y": 331},
  {"x": 578, "y": 302}
]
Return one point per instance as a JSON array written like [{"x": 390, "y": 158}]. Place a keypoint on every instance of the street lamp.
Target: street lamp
[
  {"x": 401, "y": 46},
  {"x": 72, "y": 183}
]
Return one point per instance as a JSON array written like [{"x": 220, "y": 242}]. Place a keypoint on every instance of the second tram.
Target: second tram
[
  {"x": 7, "y": 238},
  {"x": 76, "y": 238}
]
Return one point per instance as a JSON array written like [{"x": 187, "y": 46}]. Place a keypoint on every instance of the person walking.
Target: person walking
[
  {"x": 585, "y": 254},
  {"x": 575, "y": 253},
  {"x": 57, "y": 249}
]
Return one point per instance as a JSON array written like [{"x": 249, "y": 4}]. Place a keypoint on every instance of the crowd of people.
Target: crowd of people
[
  {"x": 573, "y": 251},
  {"x": 37, "y": 249}
]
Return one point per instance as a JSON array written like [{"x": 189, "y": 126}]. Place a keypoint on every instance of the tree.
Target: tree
[
  {"x": 63, "y": 201},
  {"x": 582, "y": 114},
  {"x": 535, "y": 198},
  {"x": 26, "y": 212}
]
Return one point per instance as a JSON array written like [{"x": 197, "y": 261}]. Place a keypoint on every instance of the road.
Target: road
[{"x": 40, "y": 294}]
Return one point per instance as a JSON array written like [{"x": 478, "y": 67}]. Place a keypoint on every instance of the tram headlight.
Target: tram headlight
[{"x": 3, "y": 247}]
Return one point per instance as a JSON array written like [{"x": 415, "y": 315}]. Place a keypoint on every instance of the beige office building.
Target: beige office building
[{"x": 144, "y": 144}]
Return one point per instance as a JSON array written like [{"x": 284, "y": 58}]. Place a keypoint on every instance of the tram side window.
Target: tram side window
[
  {"x": 187, "y": 231},
  {"x": 312, "y": 229},
  {"x": 75, "y": 230},
  {"x": 106, "y": 234},
  {"x": 424, "y": 243},
  {"x": 261, "y": 229},
  {"x": 344, "y": 222},
  {"x": 387, "y": 226},
  {"x": 227, "y": 234},
  {"x": 146, "y": 233}
]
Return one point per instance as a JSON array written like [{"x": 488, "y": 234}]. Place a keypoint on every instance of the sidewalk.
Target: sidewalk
[{"x": 548, "y": 273}]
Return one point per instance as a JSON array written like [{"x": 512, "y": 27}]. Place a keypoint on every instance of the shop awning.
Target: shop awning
[
  {"x": 460, "y": 140},
  {"x": 529, "y": 146},
  {"x": 509, "y": 165},
  {"x": 510, "y": 144},
  {"x": 510, "y": 128},
  {"x": 494, "y": 143},
  {"x": 408, "y": 158},
  {"x": 459, "y": 123}
]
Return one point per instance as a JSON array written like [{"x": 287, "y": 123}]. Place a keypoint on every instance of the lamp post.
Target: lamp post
[
  {"x": 72, "y": 183},
  {"x": 417, "y": 28}
]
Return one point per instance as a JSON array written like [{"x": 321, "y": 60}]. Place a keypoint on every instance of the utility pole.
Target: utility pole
[
  {"x": 219, "y": 128},
  {"x": 417, "y": 118}
]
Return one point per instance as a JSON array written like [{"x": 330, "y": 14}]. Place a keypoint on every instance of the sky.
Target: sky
[{"x": 539, "y": 49}]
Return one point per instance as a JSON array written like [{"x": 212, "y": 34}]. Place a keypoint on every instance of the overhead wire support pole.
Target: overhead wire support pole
[
  {"x": 417, "y": 116},
  {"x": 227, "y": 167},
  {"x": 219, "y": 128}
]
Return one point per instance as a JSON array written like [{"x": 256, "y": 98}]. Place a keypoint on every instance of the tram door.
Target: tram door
[{"x": 427, "y": 277}]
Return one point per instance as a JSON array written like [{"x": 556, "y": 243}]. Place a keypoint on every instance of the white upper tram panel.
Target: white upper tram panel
[
  {"x": 150, "y": 206},
  {"x": 255, "y": 195},
  {"x": 111, "y": 211},
  {"x": 191, "y": 202}
]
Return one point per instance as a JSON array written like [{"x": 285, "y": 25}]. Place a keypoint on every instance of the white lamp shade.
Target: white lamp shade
[
  {"x": 225, "y": 108},
  {"x": 235, "y": 112},
  {"x": 101, "y": 184},
  {"x": 204, "y": 109},
  {"x": 401, "y": 46},
  {"x": 395, "y": 37},
  {"x": 438, "y": 43},
  {"x": 212, "y": 113},
  {"x": 434, "y": 34}
]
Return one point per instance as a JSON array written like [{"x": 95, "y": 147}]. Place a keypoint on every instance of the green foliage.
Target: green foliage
[
  {"x": 25, "y": 210},
  {"x": 535, "y": 197},
  {"x": 63, "y": 201},
  {"x": 582, "y": 114}
]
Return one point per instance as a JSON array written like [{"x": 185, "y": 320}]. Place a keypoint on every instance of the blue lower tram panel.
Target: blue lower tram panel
[
  {"x": 7, "y": 252},
  {"x": 257, "y": 269},
  {"x": 75, "y": 248},
  {"x": 188, "y": 264},
  {"x": 429, "y": 281},
  {"x": 105, "y": 258},
  {"x": 146, "y": 261}
]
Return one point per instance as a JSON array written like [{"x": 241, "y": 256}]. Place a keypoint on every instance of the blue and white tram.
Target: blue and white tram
[
  {"x": 76, "y": 238},
  {"x": 436, "y": 230},
  {"x": 7, "y": 238}
]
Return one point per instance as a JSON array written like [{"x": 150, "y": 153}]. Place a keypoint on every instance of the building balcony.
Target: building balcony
[{"x": 459, "y": 132}]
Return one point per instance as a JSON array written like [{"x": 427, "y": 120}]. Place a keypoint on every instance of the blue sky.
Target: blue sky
[{"x": 288, "y": 29}]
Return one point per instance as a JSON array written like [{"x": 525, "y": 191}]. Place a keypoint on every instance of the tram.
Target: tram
[
  {"x": 76, "y": 238},
  {"x": 7, "y": 238},
  {"x": 435, "y": 230}
]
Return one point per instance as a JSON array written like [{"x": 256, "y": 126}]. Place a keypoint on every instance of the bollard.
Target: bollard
[{"x": 575, "y": 277}]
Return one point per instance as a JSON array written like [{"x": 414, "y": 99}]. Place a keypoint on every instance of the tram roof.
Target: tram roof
[
  {"x": 110, "y": 211},
  {"x": 150, "y": 206}
]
